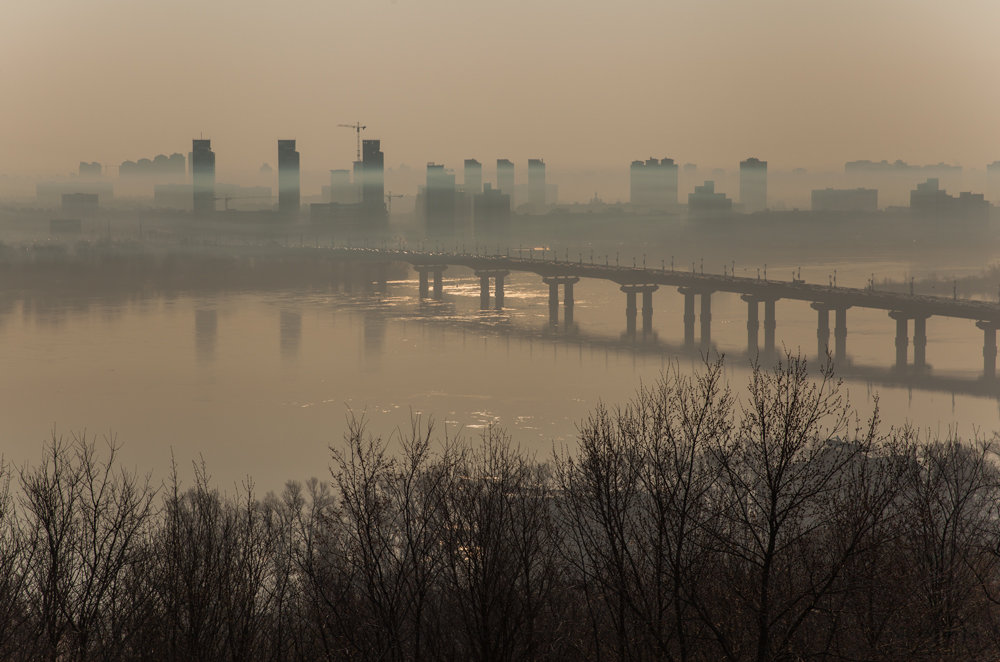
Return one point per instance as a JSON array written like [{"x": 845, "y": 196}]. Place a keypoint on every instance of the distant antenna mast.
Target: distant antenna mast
[{"x": 358, "y": 128}]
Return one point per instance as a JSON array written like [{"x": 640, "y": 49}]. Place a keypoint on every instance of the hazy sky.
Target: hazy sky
[{"x": 576, "y": 82}]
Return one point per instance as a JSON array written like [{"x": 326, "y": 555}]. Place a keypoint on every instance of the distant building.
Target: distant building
[
  {"x": 706, "y": 200},
  {"x": 473, "y": 177},
  {"x": 92, "y": 169},
  {"x": 50, "y": 193},
  {"x": 342, "y": 191},
  {"x": 439, "y": 200},
  {"x": 930, "y": 200},
  {"x": 289, "y": 179},
  {"x": 505, "y": 178},
  {"x": 898, "y": 166},
  {"x": 993, "y": 181},
  {"x": 536, "y": 184},
  {"x": 753, "y": 185},
  {"x": 854, "y": 199},
  {"x": 173, "y": 196},
  {"x": 373, "y": 184},
  {"x": 491, "y": 212},
  {"x": 653, "y": 183},
  {"x": 203, "y": 176},
  {"x": 80, "y": 203},
  {"x": 159, "y": 167}
]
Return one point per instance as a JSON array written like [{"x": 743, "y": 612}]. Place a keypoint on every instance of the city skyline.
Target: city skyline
[{"x": 583, "y": 86}]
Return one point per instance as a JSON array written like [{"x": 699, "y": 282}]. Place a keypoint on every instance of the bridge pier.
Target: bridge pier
[
  {"x": 840, "y": 334},
  {"x": 920, "y": 341},
  {"x": 485, "y": 275},
  {"x": 706, "y": 316},
  {"x": 688, "y": 317},
  {"x": 902, "y": 337},
  {"x": 822, "y": 329},
  {"x": 554, "y": 282},
  {"x": 989, "y": 349},
  {"x": 438, "y": 289},
  {"x": 706, "y": 320},
  {"x": 422, "y": 272},
  {"x": 769, "y": 326},
  {"x": 753, "y": 322},
  {"x": 632, "y": 311}
]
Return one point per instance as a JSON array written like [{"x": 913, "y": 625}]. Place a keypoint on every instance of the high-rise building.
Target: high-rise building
[
  {"x": 536, "y": 184},
  {"x": 289, "y": 181},
  {"x": 373, "y": 184},
  {"x": 993, "y": 182},
  {"x": 653, "y": 183},
  {"x": 439, "y": 200},
  {"x": 705, "y": 200},
  {"x": 473, "y": 180},
  {"x": 341, "y": 190},
  {"x": 202, "y": 162},
  {"x": 491, "y": 212},
  {"x": 92, "y": 169},
  {"x": 845, "y": 200},
  {"x": 753, "y": 185},
  {"x": 505, "y": 178}
]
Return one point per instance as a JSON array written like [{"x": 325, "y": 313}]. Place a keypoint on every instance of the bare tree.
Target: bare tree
[
  {"x": 499, "y": 555},
  {"x": 390, "y": 508},
  {"x": 87, "y": 518},
  {"x": 634, "y": 504},
  {"x": 802, "y": 486}
]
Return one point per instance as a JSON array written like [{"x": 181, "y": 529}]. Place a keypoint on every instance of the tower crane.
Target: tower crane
[
  {"x": 358, "y": 128},
  {"x": 388, "y": 201}
]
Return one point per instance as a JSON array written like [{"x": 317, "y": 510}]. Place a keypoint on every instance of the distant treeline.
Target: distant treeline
[
  {"x": 686, "y": 524},
  {"x": 100, "y": 268}
]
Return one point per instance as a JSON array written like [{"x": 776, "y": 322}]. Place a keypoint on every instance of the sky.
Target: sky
[{"x": 578, "y": 83}]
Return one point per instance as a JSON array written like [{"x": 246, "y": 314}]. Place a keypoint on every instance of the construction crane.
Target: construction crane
[
  {"x": 358, "y": 128},
  {"x": 388, "y": 201}
]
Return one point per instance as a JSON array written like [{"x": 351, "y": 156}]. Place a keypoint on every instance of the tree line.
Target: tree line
[{"x": 685, "y": 524}]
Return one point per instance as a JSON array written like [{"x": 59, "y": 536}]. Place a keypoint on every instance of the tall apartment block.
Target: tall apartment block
[
  {"x": 753, "y": 185},
  {"x": 289, "y": 181},
  {"x": 203, "y": 176},
  {"x": 536, "y": 184}
]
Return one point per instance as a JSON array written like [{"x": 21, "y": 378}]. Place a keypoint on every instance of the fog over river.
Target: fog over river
[{"x": 261, "y": 382}]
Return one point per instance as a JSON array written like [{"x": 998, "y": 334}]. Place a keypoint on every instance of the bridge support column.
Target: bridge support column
[
  {"x": 902, "y": 337},
  {"x": 753, "y": 322},
  {"x": 424, "y": 289},
  {"x": 484, "y": 291},
  {"x": 498, "y": 284},
  {"x": 553, "y": 303},
  {"x": 484, "y": 287},
  {"x": 568, "y": 302},
  {"x": 989, "y": 349},
  {"x": 769, "y": 326},
  {"x": 688, "y": 317},
  {"x": 438, "y": 289},
  {"x": 822, "y": 329},
  {"x": 422, "y": 271},
  {"x": 630, "y": 312},
  {"x": 554, "y": 282},
  {"x": 840, "y": 334},
  {"x": 631, "y": 309},
  {"x": 920, "y": 341},
  {"x": 706, "y": 320},
  {"x": 647, "y": 309}
]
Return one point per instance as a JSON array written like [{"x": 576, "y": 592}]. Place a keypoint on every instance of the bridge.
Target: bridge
[{"x": 635, "y": 281}]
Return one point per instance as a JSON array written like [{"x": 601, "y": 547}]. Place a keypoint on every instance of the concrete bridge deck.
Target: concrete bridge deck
[{"x": 635, "y": 280}]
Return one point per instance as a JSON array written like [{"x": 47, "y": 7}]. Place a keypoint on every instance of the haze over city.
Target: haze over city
[
  {"x": 430, "y": 330},
  {"x": 581, "y": 84}
]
